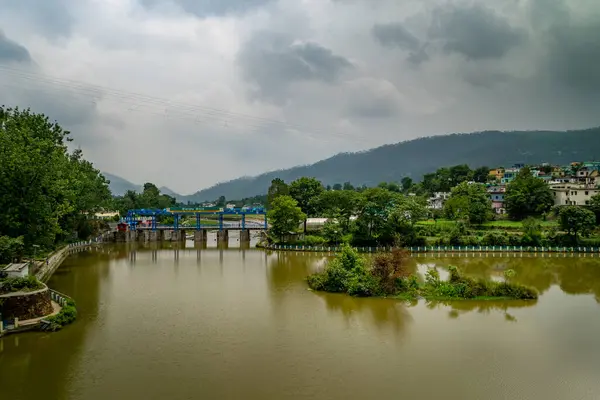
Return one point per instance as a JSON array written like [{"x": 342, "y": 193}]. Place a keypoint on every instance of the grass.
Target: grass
[{"x": 29, "y": 284}]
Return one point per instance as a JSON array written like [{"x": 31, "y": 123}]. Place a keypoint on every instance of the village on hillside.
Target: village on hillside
[{"x": 573, "y": 184}]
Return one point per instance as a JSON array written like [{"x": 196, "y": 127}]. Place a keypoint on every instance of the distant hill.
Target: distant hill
[
  {"x": 417, "y": 157},
  {"x": 118, "y": 186}
]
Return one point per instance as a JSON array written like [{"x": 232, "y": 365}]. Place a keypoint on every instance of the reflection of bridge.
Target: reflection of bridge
[{"x": 157, "y": 232}]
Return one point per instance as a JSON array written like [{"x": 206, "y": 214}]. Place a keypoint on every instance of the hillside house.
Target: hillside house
[
  {"x": 574, "y": 194},
  {"x": 496, "y": 194},
  {"x": 436, "y": 202}
]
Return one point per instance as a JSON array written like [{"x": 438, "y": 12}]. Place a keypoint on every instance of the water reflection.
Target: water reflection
[
  {"x": 574, "y": 275},
  {"x": 233, "y": 322}
]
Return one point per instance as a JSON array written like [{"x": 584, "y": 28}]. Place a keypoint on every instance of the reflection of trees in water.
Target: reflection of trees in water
[
  {"x": 50, "y": 357},
  {"x": 460, "y": 307},
  {"x": 287, "y": 269},
  {"x": 383, "y": 314},
  {"x": 574, "y": 275}
]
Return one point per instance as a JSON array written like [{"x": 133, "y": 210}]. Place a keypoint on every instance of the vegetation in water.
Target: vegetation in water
[
  {"x": 387, "y": 275},
  {"x": 28, "y": 284},
  {"x": 66, "y": 316}
]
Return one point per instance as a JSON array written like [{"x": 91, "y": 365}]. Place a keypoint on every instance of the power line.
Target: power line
[{"x": 137, "y": 101}]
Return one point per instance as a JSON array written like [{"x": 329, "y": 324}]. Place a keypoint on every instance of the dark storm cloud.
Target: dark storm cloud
[
  {"x": 51, "y": 18},
  {"x": 395, "y": 35},
  {"x": 206, "y": 8},
  {"x": 273, "y": 61},
  {"x": 11, "y": 51},
  {"x": 476, "y": 32},
  {"x": 574, "y": 54}
]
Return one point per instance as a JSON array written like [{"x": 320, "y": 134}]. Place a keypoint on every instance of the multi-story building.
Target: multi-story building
[
  {"x": 574, "y": 194},
  {"x": 496, "y": 194}
]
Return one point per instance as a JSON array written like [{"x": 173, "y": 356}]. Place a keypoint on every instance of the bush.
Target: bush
[
  {"x": 66, "y": 316},
  {"x": 495, "y": 239},
  {"x": 388, "y": 268},
  {"x": 28, "y": 284}
]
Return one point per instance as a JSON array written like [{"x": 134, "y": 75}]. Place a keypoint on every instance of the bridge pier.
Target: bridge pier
[
  {"x": 200, "y": 236},
  {"x": 153, "y": 236},
  {"x": 178, "y": 235},
  {"x": 222, "y": 237},
  {"x": 131, "y": 236},
  {"x": 245, "y": 236}
]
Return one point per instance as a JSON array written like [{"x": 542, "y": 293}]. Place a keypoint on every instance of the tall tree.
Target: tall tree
[
  {"x": 469, "y": 202},
  {"x": 407, "y": 183},
  {"x": 576, "y": 221},
  {"x": 481, "y": 174},
  {"x": 527, "y": 196},
  {"x": 284, "y": 216},
  {"x": 278, "y": 188},
  {"x": 46, "y": 192},
  {"x": 306, "y": 192}
]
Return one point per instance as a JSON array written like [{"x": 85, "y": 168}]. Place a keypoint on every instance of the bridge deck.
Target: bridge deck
[{"x": 206, "y": 228}]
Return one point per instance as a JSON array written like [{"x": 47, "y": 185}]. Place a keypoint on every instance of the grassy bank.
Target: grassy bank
[
  {"x": 66, "y": 316},
  {"x": 386, "y": 275}
]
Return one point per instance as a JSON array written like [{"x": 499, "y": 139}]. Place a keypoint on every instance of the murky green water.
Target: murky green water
[{"x": 240, "y": 324}]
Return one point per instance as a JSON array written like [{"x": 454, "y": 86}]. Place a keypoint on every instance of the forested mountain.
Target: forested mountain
[
  {"x": 118, "y": 186},
  {"x": 416, "y": 157}
]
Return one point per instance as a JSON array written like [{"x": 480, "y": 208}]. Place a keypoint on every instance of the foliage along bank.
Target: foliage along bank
[
  {"x": 387, "y": 275},
  {"x": 48, "y": 194}
]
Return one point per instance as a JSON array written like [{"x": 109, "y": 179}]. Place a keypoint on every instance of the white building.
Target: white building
[
  {"x": 570, "y": 194},
  {"x": 436, "y": 202},
  {"x": 17, "y": 270}
]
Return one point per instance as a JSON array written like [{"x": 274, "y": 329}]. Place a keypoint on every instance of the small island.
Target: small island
[{"x": 386, "y": 275}]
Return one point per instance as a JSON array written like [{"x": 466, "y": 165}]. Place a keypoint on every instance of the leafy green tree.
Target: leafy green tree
[
  {"x": 46, "y": 192},
  {"x": 278, "y": 188},
  {"x": 481, "y": 174},
  {"x": 527, "y": 196},
  {"x": 11, "y": 249},
  {"x": 460, "y": 173},
  {"x": 532, "y": 231},
  {"x": 373, "y": 208},
  {"x": 595, "y": 206},
  {"x": 333, "y": 231},
  {"x": 348, "y": 186},
  {"x": 404, "y": 216},
  {"x": 337, "y": 186},
  {"x": 407, "y": 184},
  {"x": 306, "y": 192},
  {"x": 339, "y": 204},
  {"x": 576, "y": 221},
  {"x": 284, "y": 216},
  {"x": 470, "y": 203}
]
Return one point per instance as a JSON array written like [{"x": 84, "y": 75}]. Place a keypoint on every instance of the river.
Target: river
[{"x": 241, "y": 324}]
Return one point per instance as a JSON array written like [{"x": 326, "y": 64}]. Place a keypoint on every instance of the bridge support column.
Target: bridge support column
[
  {"x": 245, "y": 236},
  {"x": 152, "y": 236},
  {"x": 222, "y": 237},
  {"x": 178, "y": 236},
  {"x": 200, "y": 236},
  {"x": 131, "y": 236}
]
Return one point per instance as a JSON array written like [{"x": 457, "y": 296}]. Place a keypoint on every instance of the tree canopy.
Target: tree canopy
[
  {"x": 469, "y": 202},
  {"x": 284, "y": 216},
  {"x": 527, "y": 196},
  {"x": 46, "y": 192}
]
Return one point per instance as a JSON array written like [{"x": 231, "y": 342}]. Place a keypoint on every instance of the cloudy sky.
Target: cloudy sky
[{"x": 186, "y": 93}]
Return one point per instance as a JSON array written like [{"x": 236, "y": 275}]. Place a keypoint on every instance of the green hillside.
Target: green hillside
[{"x": 416, "y": 157}]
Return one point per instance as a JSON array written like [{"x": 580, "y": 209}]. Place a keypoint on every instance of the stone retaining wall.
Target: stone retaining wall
[{"x": 26, "y": 305}]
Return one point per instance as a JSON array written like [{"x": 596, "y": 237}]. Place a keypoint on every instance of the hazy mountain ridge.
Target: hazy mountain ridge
[
  {"x": 118, "y": 186},
  {"x": 417, "y": 157}
]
